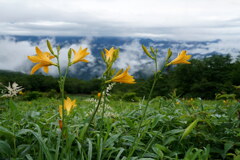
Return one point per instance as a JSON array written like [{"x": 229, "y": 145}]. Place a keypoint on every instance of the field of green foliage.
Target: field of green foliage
[{"x": 173, "y": 129}]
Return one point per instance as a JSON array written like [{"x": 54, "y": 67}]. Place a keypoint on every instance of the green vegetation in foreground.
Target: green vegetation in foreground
[{"x": 30, "y": 130}]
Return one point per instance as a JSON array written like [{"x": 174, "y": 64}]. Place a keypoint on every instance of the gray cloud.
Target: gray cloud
[{"x": 173, "y": 19}]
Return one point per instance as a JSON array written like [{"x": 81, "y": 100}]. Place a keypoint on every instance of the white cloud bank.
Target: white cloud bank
[{"x": 13, "y": 54}]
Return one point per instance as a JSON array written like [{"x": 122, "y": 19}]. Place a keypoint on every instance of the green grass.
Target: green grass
[{"x": 172, "y": 129}]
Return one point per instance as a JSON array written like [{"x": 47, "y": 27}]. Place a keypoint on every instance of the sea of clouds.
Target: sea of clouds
[{"x": 13, "y": 54}]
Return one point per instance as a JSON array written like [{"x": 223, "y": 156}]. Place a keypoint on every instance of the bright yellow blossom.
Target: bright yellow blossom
[
  {"x": 109, "y": 54},
  {"x": 43, "y": 59},
  {"x": 123, "y": 77},
  {"x": 181, "y": 58},
  {"x": 68, "y": 106},
  {"x": 80, "y": 55}
]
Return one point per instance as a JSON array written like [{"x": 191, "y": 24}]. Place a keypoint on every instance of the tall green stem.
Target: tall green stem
[
  {"x": 137, "y": 136},
  {"x": 103, "y": 91},
  {"x": 134, "y": 146},
  {"x": 150, "y": 143},
  {"x": 61, "y": 87},
  {"x": 62, "y": 80},
  {"x": 103, "y": 110},
  {"x": 95, "y": 111}
]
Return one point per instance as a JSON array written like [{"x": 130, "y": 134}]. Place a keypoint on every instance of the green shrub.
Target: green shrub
[
  {"x": 52, "y": 94},
  {"x": 131, "y": 97},
  {"x": 32, "y": 95}
]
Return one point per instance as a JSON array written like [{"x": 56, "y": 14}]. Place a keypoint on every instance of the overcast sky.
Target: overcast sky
[{"x": 169, "y": 19}]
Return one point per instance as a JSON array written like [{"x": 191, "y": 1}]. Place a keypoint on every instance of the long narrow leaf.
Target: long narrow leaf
[
  {"x": 58, "y": 146},
  {"x": 189, "y": 129},
  {"x": 29, "y": 157},
  {"x": 119, "y": 154},
  {"x": 6, "y": 132},
  {"x": 111, "y": 140},
  {"x": 40, "y": 141},
  {"x": 5, "y": 148},
  {"x": 89, "y": 149}
]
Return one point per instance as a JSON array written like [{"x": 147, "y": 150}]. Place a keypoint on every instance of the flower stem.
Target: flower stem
[
  {"x": 150, "y": 143},
  {"x": 103, "y": 111},
  {"x": 95, "y": 111},
  {"x": 137, "y": 136},
  {"x": 62, "y": 80}
]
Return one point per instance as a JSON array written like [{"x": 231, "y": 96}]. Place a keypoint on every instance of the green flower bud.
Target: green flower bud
[
  {"x": 152, "y": 50},
  {"x": 58, "y": 49},
  {"x": 70, "y": 53},
  {"x": 50, "y": 47},
  {"x": 169, "y": 54},
  {"x": 119, "y": 72},
  {"x": 146, "y": 51},
  {"x": 115, "y": 55},
  {"x": 103, "y": 56}
]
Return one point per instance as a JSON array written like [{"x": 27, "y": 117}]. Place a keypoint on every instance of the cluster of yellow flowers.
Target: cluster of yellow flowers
[{"x": 44, "y": 60}]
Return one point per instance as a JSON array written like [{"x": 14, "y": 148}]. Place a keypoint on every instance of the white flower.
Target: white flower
[{"x": 12, "y": 90}]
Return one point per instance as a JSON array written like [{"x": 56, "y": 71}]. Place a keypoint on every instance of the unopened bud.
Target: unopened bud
[
  {"x": 103, "y": 56},
  {"x": 50, "y": 47},
  {"x": 169, "y": 54},
  {"x": 58, "y": 49},
  {"x": 60, "y": 124},
  {"x": 99, "y": 95},
  {"x": 70, "y": 53},
  {"x": 146, "y": 51},
  {"x": 115, "y": 55},
  {"x": 152, "y": 50},
  {"x": 119, "y": 72}
]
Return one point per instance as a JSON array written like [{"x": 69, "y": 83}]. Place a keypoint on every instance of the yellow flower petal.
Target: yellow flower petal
[
  {"x": 80, "y": 55},
  {"x": 124, "y": 78},
  {"x": 36, "y": 67},
  {"x": 181, "y": 58},
  {"x": 69, "y": 105},
  {"x": 45, "y": 69},
  {"x": 109, "y": 54},
  {"x": 34, "y": 59}
]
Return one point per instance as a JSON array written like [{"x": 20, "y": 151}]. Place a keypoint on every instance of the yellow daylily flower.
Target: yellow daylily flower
[
  {"x": 109, "y": 54},
  {"x": 43, "y": 59},
  {"x": 80, "y": 55},
  {"x": 123, "y": 77},
  {"x": 181, "y": 58},
  {"x": 68, "y": 106}
]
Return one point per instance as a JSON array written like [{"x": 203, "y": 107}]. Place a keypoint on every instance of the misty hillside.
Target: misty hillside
[{"x": 130, "y": 52}]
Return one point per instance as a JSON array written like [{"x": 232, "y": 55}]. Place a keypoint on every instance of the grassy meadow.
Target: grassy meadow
[{"x": 30, "y": 130}]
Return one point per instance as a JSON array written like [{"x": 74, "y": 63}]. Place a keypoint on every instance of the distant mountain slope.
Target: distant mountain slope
[{"x": 130, "y": 52}]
